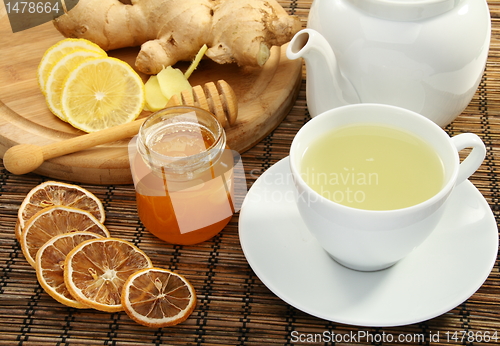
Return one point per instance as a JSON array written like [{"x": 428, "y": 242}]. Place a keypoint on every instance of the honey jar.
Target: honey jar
[{"x": 183, "y": 175}]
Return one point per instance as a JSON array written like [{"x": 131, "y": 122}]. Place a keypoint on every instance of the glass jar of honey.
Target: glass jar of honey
[{"x": 183, "y": 175}]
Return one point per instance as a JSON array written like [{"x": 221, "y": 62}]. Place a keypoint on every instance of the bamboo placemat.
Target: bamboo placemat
[{"x": 234, "y": 307}]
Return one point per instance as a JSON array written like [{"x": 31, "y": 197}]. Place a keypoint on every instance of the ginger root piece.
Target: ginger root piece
[
  {"x": 169, "y": 31},
  {"x": 243, "y": 31},
  {"x": 155, "y": 100}
]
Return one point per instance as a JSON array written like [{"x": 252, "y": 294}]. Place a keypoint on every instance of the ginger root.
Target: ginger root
[{"x": 169, "y": 31}]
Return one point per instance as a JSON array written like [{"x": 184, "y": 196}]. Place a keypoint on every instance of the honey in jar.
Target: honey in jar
[{"x": 184, "y": 195}]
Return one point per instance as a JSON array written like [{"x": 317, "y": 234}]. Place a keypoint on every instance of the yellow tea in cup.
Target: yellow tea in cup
[{"x": 373, "y": 167}]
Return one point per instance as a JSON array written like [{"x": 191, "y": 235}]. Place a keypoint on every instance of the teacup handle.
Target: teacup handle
[{"x": 475, "y": 158}]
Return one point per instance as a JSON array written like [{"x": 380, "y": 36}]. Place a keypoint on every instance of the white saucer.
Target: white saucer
[{"x": 436, "y": 277}]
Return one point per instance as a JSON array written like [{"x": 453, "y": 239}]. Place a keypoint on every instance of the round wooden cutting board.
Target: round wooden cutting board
[{"x": 265, "y": 96}]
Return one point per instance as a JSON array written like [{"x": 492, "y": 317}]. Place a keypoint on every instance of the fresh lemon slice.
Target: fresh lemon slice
[
  {"x": 101, "y": 93},
  {"x": 57, "y": 51},
  {"x": 58, "y": 75}
]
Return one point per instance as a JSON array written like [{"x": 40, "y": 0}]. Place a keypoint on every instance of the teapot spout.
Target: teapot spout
[{"x": 326, "y": 87}]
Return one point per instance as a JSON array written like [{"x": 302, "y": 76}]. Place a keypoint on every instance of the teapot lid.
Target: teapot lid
[{"x": 405, "y": 10}]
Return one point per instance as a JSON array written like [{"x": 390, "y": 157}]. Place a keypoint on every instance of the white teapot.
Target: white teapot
[{"x": 426, "y": 56}]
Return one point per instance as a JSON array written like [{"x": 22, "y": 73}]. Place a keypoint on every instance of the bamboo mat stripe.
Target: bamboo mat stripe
[{"x": 234, "y": 307}]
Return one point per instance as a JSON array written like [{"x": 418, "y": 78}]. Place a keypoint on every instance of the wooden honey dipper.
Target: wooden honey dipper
[{"x": 220, "y": 101}]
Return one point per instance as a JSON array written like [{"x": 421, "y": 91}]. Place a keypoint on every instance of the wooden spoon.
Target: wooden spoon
[{"x": 25, "y": 158}]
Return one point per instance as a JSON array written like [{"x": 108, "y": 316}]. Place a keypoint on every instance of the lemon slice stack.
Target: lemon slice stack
[
  {"x": 57, "y": 51},
  {"x": 88, "y": 89}
]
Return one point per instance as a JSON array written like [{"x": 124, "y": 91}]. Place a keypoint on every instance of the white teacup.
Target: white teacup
[{"x": 370, "y": 240}]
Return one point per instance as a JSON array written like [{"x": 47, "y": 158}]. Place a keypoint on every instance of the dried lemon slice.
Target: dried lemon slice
[
  {"x": 95, "y": 271},
  {"x": 58, "y": 75},
  {"x": 52, "y": 193},
  {"x": 50, "y": 265},
  {"x": 157, "y": 297},
  {"x": 102, "y": 93},
  {"x": 53, "y": 221},
  {"x": 57, "y": 51}
]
